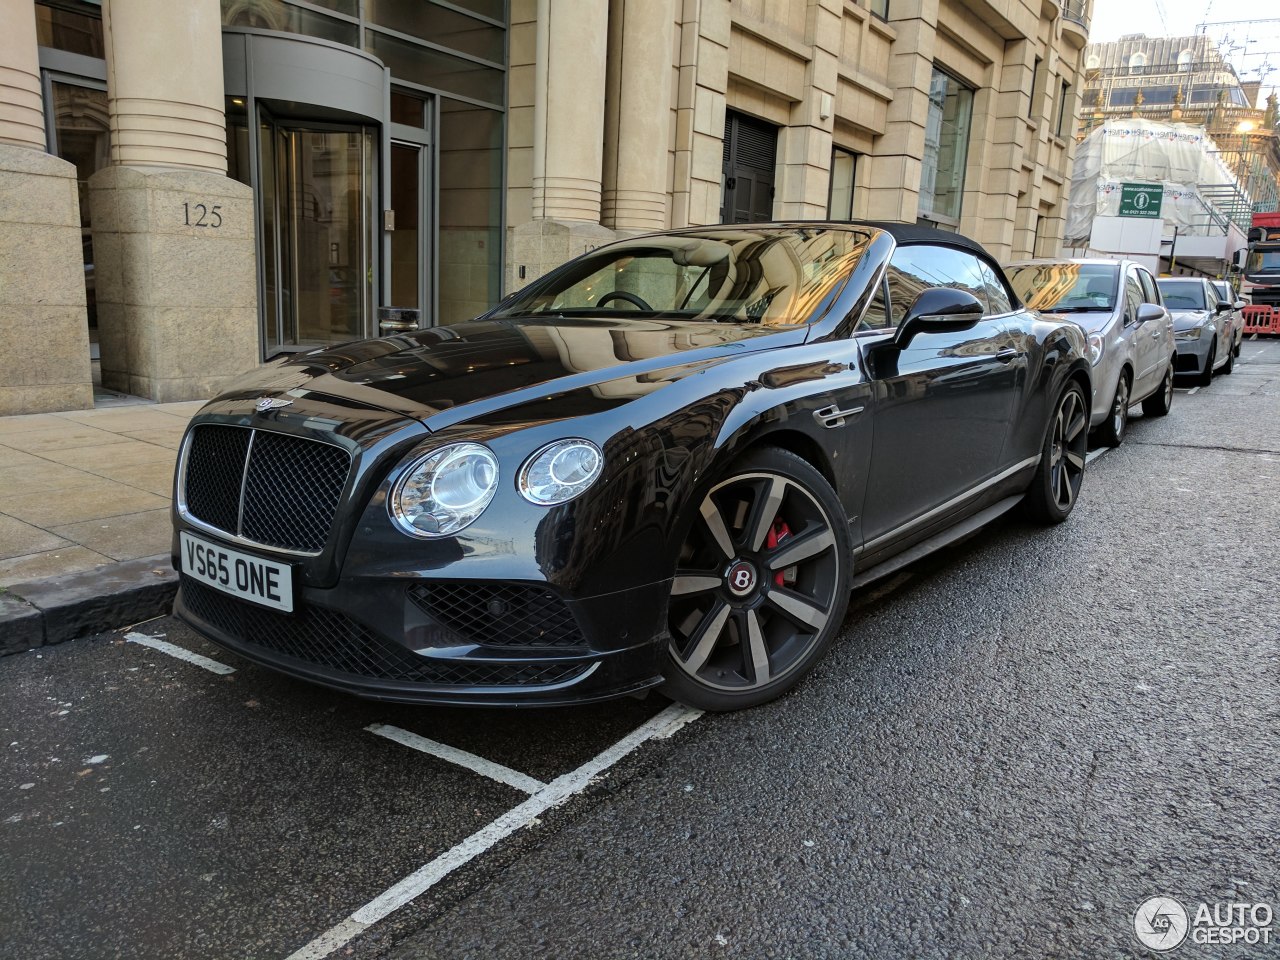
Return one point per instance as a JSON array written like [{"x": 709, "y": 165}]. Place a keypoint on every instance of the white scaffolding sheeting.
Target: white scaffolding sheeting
[{"x": 1181, "y": 157}]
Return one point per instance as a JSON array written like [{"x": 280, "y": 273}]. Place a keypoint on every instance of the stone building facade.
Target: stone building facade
[{"x": 312, "y": 164}]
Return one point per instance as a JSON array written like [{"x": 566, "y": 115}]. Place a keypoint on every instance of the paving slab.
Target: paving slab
[{"x": 125, "y": 537}]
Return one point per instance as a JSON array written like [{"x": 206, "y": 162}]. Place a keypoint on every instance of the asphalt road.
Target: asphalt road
[{"x": 1009, "y": 749}]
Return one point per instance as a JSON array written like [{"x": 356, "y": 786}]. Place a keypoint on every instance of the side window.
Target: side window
[
  {"x": 1211, "y": 295},
  {"x": 877, "y": 315},
  {"x": 1132, "y": 297},
  {"x": 920, "y": 266},
  {"x": 1150, "y": 293},
  {"x": 997, "y": 291}
]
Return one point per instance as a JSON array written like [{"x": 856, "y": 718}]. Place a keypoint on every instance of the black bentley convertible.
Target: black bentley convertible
[{"x": 666, "y": 463}]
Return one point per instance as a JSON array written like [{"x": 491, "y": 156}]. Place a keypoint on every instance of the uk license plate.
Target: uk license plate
[{"x": 261, "y": 581}]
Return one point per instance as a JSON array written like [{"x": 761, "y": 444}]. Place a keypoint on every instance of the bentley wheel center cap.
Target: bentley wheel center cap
[{"x": 741, "y": 578}]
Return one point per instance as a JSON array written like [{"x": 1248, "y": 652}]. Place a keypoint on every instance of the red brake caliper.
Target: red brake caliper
[{"x": 777, "y": 533}]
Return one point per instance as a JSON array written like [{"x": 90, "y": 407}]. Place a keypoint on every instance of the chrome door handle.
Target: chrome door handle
[{"x": 833, "y": 416}]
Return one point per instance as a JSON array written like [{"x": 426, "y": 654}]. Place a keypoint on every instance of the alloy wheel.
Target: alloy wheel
[
  {"x": 1067, "y": 450},
  {"x": 1120, "y": 408},
  {"x": 755, "y": 584}
]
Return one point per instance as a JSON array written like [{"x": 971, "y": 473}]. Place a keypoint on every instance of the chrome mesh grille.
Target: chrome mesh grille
[
  {"x": 291, "y": 486},
  {"x": 326, "y": 638}
]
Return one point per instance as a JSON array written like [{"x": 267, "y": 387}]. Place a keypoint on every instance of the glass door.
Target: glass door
[{"x": 316, "y": 190}]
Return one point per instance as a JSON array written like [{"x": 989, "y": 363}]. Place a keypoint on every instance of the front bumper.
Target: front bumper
[
  {"x": 390, "y": 640},
  {"x": 1191, "y": 355}
]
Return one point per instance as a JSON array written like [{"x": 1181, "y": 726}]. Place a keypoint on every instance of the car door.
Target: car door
[
  {"x": 941, "y": 406},
  {"x": 1221, "y": 321},
  {"x": 1131, "y": 343},
  {"x": 1156, "y": 337}
]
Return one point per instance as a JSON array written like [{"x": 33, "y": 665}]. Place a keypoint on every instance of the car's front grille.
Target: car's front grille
[
  {"x": 1186, "y": 361},
  {"x": 500, "y": 614},
  {"x": 1266, "y": 296},
  {"x": 271, "y": 488},
  {"x": 326, "y": 638}
]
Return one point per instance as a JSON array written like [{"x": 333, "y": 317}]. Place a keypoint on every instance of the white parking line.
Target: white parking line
[
  {"x": 1093, "y": 455},
  {"x": 487, "y": 768},
  {"x": 213, "y": 666},
  {"x": 556, "y": 792},
  {"x": 1192, "y": 390}
]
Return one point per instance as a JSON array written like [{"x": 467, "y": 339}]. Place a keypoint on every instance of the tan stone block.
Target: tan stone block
[
  {"x": 29, "y": 422},
  {"x": 187, "y": 269},
  {"x": 65, "y": 435},
  {"x": 204, "y": 341},
  {"x": 41, "y": 264},
  {"x": 18, "y": 539},
  {"x": 45, "y": 397},
  {"x": 54, "y": 563},
  {"x": 125, "y": 537},
  {"x": 125, "y": 450},
  {"x": 154, "y": 477},
  {"x": 96, "y": 497},
  {"x": 38, "y": 474},
  {"x": 49, "y": 199}
]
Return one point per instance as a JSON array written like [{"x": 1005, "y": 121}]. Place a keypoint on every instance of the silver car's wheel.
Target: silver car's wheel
[
  {"x": 761, "y": 584},
  {"x": 1111, "y": 431}
]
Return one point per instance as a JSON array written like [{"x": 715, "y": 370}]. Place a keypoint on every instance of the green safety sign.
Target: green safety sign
[{"x": 1140, "y": 200}]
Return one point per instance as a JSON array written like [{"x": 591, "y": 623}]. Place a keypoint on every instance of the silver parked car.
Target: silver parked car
[
  {"x": 1226, "y": 294},
  {"x": 1130, "y": 332},
  {"x": 1201, "y": 325}
]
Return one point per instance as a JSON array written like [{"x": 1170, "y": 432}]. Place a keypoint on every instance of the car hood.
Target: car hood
[
  {"x": 1186, "y": 319},
  {"x": 1091, "y": 320},
  {"x": 448, "y": 374}
]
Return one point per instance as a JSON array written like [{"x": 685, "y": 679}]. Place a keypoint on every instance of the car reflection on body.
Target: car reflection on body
[
  {"x": 1201, "y": 327},
  {"x": 668, "y": 463},
  {"x": 1130, "y": 332}
]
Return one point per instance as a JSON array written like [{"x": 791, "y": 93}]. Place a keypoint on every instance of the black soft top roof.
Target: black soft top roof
[{"x": 913, "y": 233}]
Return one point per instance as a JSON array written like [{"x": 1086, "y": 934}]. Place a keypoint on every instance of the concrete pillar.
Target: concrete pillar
[
  {"x": 805, "y": 143},
  {"x": 568, "y": 139},
  {"x": 173, "y": 235},
  {"x": 162, "y": 115},
  {"x": 637, "y": 115},
  {"x": 702, "y": 85},
  {"x": 44, "y": 353},
  {"x": 21, "y": 112},
  {"x": 568, "y": 118}
]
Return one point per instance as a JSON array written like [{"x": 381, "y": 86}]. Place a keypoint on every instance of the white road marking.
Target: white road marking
[
  {"x": 164, "y": 646},
  {"x": 1192, "y": 390},
  {"x": 556, "y": 792},
  {"x": 487, "y": 768},
  {"x": 1093, "y": 455}
]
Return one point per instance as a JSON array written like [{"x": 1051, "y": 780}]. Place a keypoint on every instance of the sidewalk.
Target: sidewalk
[{"x": 86, "y": 488}]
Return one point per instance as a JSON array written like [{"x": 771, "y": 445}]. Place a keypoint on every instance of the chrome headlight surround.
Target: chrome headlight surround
[
  {"x": 444, "y": 491},
  {"x": 560, "y": 471}
]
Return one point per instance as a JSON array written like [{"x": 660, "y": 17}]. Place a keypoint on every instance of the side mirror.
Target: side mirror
[
  {"x": 938, "y": 310},
  {"x": 1223, "y": 307},
  {"x": 1149, "y": 311},
  {"x": 1239, "y": 305}
]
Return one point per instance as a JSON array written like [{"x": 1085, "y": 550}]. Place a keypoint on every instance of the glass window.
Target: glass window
[
  {"x": 75, "y": 31},
  {"x": 997, "y": 292},
  {"x": 278, "y": 15},
  {"x": 431, "y": 68},
  {"x": 1132, "y": 298},
  {"x": 1035, "y": 82},
  {"x": 1182, "y": 294},
  {"x": 1137, "y": 62},
  {"x": 439, "y": 25},
  {"x": 1065, "y": 113},
  {"x": 840, "y": 203},
  {"x": 1066, "y": 287},
  {"x": 880, "y": 8},
  {"x": 470, "y": 228},
  {"x": 408, "y": 109},
  {"x": 1149, "y": 292},
  {"x": 486, "y": 8},
  {"x": 877, "y": 315},
  {"x": 757, "y": 276},
  {"x": 946, "y": 146},
  {"x": 917, "y": 268}
]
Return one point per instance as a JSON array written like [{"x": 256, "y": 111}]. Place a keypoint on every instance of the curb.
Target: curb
[{"x": 43, "y": 612}]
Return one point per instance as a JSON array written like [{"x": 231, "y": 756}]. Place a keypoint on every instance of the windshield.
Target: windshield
[
  {"x": 1066, "y": 287},
  {"x": 1182, "y": 294},
  {"x": 768, "y": 277},
  {"x": 1263, "y": 261}
]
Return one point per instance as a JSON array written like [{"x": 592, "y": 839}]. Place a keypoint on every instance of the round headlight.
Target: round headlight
[
  {"x": 445, "y": 490},
  {"x": 560, "y": 471}
]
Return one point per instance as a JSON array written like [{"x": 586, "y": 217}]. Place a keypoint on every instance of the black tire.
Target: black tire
[
  {"x": 1111, "y": 431},
  {"x": 1056, "y": 484},
  {"x": 1230, "y": 365},
  {"x": 1158, "y": 404},
  {"x": 1206, "y": 376},
  {"x": 745, "y": 624}
]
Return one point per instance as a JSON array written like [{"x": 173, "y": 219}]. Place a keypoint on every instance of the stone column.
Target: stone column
[
  {"x": 44, "y": 353},
  {"x": 173, "y": 235},
  {"x": 806, "y": 140},
  {"x": 638, "y": 115},
  {"x": 705, "y": 28},
  {"x": 568, "y": 138}
]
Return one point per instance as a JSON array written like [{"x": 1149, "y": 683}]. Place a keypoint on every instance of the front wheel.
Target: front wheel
[
  {"x": 1056, "y": 484},
  {"x": 1230, "y": 365},
  {"x": 1111, "y": 430},
  {"x": 761, "y": 584},
  {"x": 1206, "y": 376},
  {"x": 1158, "y": 404}
]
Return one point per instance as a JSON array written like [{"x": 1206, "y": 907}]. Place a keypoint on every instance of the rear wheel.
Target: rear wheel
[
  {"x": 761, "y": 585},
  {"x": 1111, "y": 431},
  {"x": 1056, "y": 484},
  {"x": 1206, "y": 375},
  {"x": 1158, "y": 404}
]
